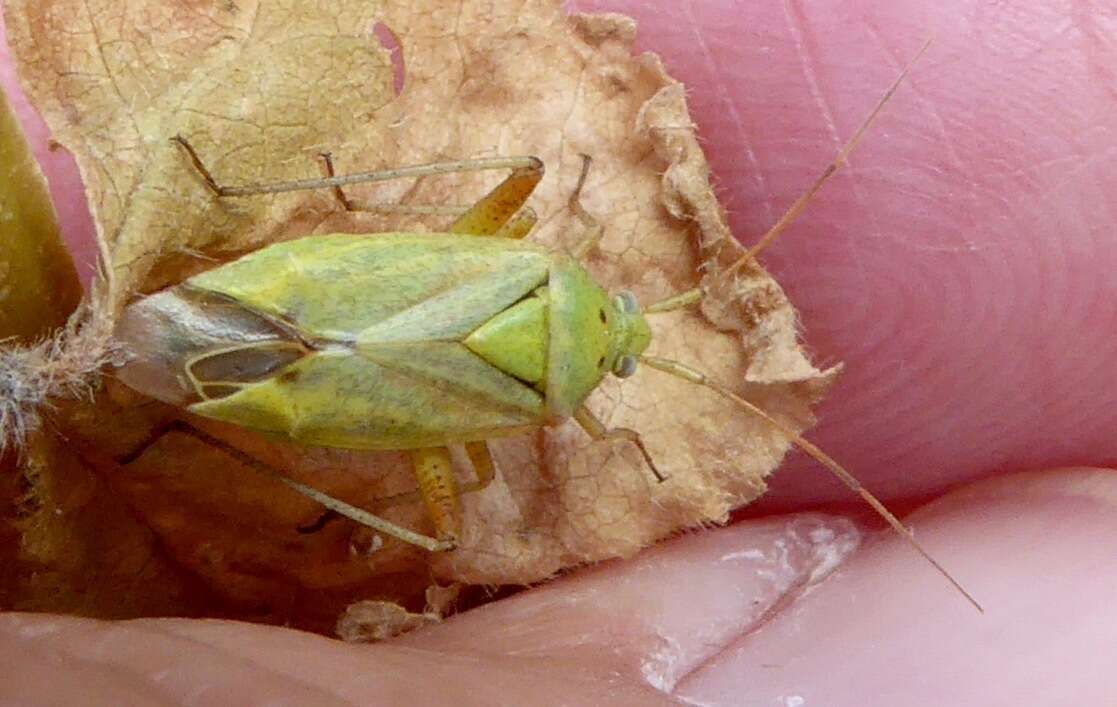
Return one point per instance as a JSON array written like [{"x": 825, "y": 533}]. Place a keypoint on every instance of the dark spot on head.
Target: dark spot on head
[
  {"x": 601, "y": 313},
  {"x": 601, "y": 362}
]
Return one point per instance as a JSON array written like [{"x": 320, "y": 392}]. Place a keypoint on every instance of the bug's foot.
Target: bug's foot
[
  {"x": 318, "y": 523},
  {"x": 446, "y": 543}
]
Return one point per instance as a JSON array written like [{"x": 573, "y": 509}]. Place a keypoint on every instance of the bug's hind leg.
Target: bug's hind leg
[
  {"x": 476, "y": 164},
  {"x": 596, "y": 429},
  {"x": 501, "y": 212},
  {"x": 482, "y": 461},
  {"x": 439, "y": 491},
  {"x": 335, "y": 505},
  {"x": 350, "y": 204}
]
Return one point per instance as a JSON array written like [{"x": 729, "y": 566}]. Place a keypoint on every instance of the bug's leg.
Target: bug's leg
[
  {"x": 594, "y": 230},
  {"x": 176, "y": 425},
  {"x": 439, "y": 491},
  {"x": 318, "y": 523},
  {"x": 381, "y": 207},
  {"x": 483, "y": 467},
  {"x": 596, "y": 429},
  {"x": 340, "y": 507},
  {"x": 156, "y": 434},
  {"x": 339, "y": 193},
  {"x": 500, "y": 212},
  {"x": 520, "y": 225},
  {"x": 476, "y": 164}
]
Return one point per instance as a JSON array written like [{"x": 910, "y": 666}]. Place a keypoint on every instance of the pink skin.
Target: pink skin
[{"x": 961, "y": 268}]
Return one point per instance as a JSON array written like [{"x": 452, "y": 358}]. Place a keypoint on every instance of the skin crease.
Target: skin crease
[{"x": 961, "y": 268}]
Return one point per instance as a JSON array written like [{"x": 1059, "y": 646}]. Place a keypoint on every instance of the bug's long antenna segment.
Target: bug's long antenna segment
[
  {"x": 800, "y": 204},
  {"x": 677, "y": 301},
  {"x": 685, "y": 372}
]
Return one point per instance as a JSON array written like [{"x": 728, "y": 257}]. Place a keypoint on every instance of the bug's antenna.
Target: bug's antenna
[
  {"x": 687, "y": 373},
  {"x": 800, "y": 204}
]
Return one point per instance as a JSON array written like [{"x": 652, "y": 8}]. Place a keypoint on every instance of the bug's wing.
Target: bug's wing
[
  {"x": 395, "y": 286},
  {"x": 397, "y": 396},
  {"x": 163, "y": 332}
]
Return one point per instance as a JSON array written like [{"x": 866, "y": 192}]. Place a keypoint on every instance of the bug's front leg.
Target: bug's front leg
[
  {"x": 596, "y": 429},
  {"x": 594, "y": 230}
]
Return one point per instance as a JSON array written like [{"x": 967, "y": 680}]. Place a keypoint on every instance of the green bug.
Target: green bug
[
  {"x": 413, "y": 341},
  {"x": 402, "y": 341}
]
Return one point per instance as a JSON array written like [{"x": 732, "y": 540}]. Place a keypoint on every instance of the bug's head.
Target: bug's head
[{"x": 630, "y": 334}]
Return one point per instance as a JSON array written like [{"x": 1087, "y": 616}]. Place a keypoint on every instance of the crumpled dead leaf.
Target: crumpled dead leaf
[
  {"x": 260, "y": 88},
  {"x": 65, "y": 543},
  {"x": 370, "y": 620}
]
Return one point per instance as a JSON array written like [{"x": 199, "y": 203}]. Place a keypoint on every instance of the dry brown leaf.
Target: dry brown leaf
[
  {"x": 48, "y": 500},
  {"x": 260, "y": 89},
  {"x": 82, "y": 551}
]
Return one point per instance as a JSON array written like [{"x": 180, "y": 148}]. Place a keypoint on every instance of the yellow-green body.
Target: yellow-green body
[{"x": 408, "y": 340}]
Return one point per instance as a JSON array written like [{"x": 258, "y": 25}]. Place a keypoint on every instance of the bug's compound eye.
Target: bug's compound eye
[
  {"x": 626, "y": 302},
  {"x": 626, "y": 366}
]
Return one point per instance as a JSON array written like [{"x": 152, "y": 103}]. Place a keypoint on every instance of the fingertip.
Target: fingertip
[
  {"x": 1036, "y": 549},
  {"x": 653, "y": 619}
]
